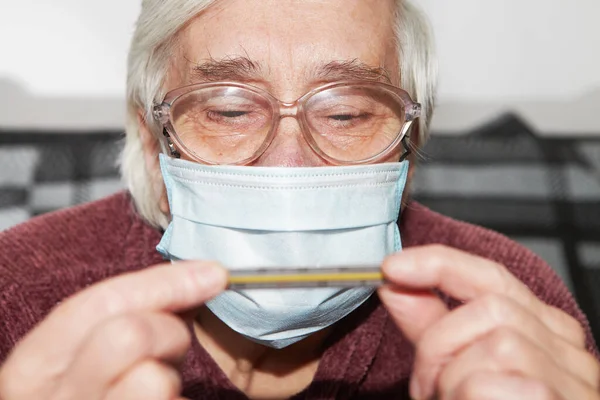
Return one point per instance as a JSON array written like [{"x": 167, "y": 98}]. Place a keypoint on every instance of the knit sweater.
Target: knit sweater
[{"x": 53, "y": 256}]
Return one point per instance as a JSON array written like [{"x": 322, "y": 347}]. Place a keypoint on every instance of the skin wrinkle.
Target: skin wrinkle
[
  {"x": 298, "y": 51},
  {"x": 197, "y": 42},
  {"x": 337, "y": 39},
  {"x": 287, "y": 60},
  {"x": 325, "y": 45}
]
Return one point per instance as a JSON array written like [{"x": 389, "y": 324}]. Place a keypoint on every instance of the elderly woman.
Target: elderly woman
[{"x": 276, "y": 134}]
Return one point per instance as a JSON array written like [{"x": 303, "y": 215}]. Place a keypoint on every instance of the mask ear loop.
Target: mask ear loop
[
  {"x": 406, "y": 146},
  {"x": 172, "y": 148}
]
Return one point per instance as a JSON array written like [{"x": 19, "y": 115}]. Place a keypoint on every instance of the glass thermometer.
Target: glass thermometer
[{"x": 351, "y": 276}]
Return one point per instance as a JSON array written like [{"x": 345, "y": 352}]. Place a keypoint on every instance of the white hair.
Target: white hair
[{"x": 150, "y": 57}]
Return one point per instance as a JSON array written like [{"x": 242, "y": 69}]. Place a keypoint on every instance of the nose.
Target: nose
[{"x": 289, "y": 148}]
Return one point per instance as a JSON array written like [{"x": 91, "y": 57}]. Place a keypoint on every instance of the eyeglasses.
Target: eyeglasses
[{"x": 353, "y": 122}]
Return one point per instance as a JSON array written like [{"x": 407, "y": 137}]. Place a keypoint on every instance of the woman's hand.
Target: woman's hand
[
  {"x": 503, "y": 343},
  {"x": 118, "y": 339}
]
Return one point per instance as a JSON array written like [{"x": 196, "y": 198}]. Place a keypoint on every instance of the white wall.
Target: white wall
[
  {"x": 63, "y": 62},
  {"x": 538, "y": 57},
  {"x": 66, "y": 47}
]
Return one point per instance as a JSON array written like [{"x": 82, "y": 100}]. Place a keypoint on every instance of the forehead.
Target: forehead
[{"x": 288, "y": 40}]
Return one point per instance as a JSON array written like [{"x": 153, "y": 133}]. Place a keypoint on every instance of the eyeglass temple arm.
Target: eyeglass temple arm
[
  {"x": 172, "y": 148},
  {"x": 406, "y": 144}
]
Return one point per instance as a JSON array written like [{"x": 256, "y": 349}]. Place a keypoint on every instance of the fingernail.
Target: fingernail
[
  {"x": 400, "y": 263},
  {"x": 390, "y": 265},
  {"x": 211, "y": 277}
]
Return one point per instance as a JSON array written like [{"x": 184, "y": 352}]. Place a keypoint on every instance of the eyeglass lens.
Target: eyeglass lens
[{"x": 229, "y": 124}]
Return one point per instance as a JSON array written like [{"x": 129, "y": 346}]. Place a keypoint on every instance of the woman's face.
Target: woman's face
[{"x": 288, "y": 47}]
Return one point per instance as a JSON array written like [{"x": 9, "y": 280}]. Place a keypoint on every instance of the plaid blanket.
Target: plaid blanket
[{"x": 542, "y": 192}]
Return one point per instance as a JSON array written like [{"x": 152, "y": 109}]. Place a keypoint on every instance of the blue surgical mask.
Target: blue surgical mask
[{"x": 271, "y": 217}]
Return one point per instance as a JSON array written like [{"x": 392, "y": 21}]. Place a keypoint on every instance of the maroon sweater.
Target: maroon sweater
[{"x": 53, "y": 256}]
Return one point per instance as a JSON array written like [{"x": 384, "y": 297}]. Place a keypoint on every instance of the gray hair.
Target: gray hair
[{"x": 150, "y": 57}]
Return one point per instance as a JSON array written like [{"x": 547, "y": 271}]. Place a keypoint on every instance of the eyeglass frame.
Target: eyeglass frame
[{"x": 162, "y": 113}]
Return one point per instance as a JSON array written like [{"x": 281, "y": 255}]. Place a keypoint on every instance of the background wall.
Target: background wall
[
  {"x": 62, "y": 62},
  {"x": 533, "y": 175},
  {"x": 538, "y": 57}
]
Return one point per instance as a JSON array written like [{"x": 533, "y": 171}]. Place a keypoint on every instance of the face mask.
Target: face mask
[{"x": 270, "y": 217}]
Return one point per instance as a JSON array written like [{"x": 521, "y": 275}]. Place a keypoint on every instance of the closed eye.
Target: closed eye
[{"x": 230, "y": 114}]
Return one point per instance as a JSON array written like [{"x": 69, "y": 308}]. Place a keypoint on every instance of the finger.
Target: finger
[
  {"x": 413, "y": 311},
  {"x": 465, "y": 277},
  {"x": 508, "y": 352},
  {"x": 166, "y": 287},
  {"x": 572, "y": 331},
  {"x": 498, "y": 386},
  {"x": 481, "y": 317},
  {"x": 119, "y": 344},
  {"x": 149, "y": 380}
]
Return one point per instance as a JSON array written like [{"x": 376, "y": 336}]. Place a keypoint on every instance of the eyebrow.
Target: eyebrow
[
  {"x": 227, "y": 69},
  {"x": 245, "y": 70},
  {"x": 352, "y": 70}
]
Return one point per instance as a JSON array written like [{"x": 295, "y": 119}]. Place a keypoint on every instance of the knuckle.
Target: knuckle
[
  {"x": 177, "y": 324},
  {"x": 435, "y": 256},
  {"x": 497, "y": 307},
  {"x": 129, "y": 333},
  {"x": 437, "y": 248},
  {"x": 101, "y": 298},
  {"x": 472, "y": 388},
  {"x": 565, "y": 325},
  {"x": 591, "y": 365},
  {"x": 571, "y": 325},
  {"x": 503, "y": 344},
  {"x": 499, "y": 274},
  {"x": 579, "y": 335},
  {"x": 19, "y": 376},
  {"x": 595, "y": 368},
  {"x": 162, "y": 381},
  {"x": 538, "y": 390},
  {"x": 437, "y": 253},
  {"x": 179, "y": 333},
  {"x": 488, "y": 384},
  {"x": 9, "y": 384}
]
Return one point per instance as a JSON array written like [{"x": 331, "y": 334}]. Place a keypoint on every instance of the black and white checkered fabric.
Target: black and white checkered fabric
[
  {"x": 544, "y": 193},
  {"x": 541, "y": 192},
  {"x": 41, "y": 172}
]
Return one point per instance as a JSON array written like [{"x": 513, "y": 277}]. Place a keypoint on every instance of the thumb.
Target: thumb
[
  {"x": 413, "y": 311},
  {"x": 166, "y": 287}
]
